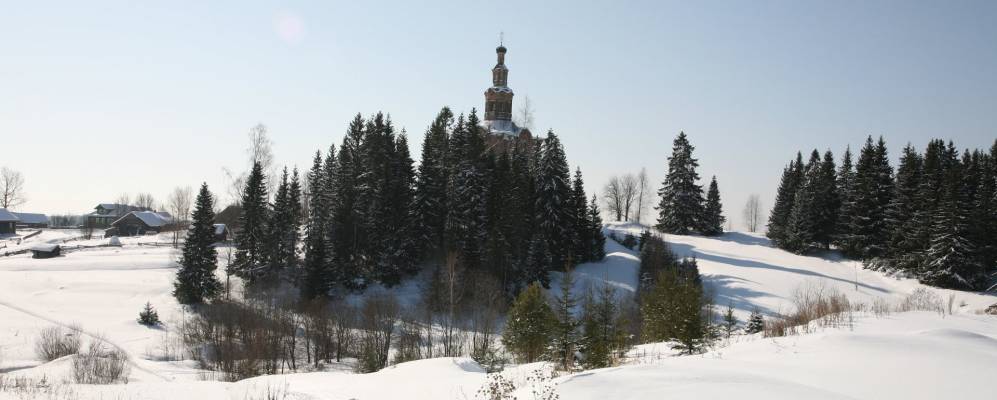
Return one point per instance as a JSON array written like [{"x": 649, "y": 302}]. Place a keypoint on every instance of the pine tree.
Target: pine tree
[
  {"x": 565, "y": 330},
  {"x": 316, "y": 276},
  {"x": 792, "y": 176},
  {"x": 730, "y": 320},
  {"x": 553, "y": 213},
  {"x": 597, "y": 241},
  {"x": 681, "y": 198},
  {"x": 713, "y": 218},
  {"x": 196, "y": 280},
  {"x": 672, "y": 310},
  {"x": 528, "y": 331},
  {"x": 251, "y": 252}
]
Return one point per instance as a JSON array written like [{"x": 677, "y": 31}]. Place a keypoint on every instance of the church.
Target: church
[{"x": 497, "y": 123}]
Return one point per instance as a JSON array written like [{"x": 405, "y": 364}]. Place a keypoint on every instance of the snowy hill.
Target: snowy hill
[{"x": 914, "y": 355}]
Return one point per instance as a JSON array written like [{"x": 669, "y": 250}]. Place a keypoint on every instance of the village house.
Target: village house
[
  {"x": 31, "y": 220},
  {"x": 106, "y": 213},
  {"x": 8, "y": 222},
  {"x": 140, "y": 223}
]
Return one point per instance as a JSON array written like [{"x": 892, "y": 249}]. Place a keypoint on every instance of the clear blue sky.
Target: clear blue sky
[{"x": 101, "y": 98}]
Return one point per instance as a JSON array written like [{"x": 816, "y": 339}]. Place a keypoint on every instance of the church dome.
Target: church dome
[{"x": 500, "y": 49}]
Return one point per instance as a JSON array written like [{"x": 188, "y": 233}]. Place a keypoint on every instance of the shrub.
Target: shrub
[
  {"x": 56, "y": 342},
  {"x": 922, "y": 299},
  {"x": 148, "y": 316},
  {"x": 755, "y": 322},
  {"x": 629, "y": 241},
  {"x": 528, "y": 330},
  {"x": 816, "y": 306},
  {"x": 101, "y": 364}
]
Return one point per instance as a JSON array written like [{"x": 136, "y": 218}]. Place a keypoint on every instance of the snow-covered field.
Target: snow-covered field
[{"x": 915, "y": 355}]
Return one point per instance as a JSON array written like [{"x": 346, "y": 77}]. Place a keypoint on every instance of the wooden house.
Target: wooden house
[
  {"x": 31, "y": 220},
  {"x": 141, "y": 223},
  {"x": 106, "y": 213},
  {"x": 221, "y": 233},
  {"x": 8, "y": 222}
]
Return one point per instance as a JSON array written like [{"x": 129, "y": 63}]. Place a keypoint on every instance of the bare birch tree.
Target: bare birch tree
[
  {"x": 526, "y": 114},
  {"x": 752, "y": 213},
  {"x": 179, "y": 203},
  {"x": 11, "y": 188},
  {"x": 145, "y": 200},
  {"x": 629, "y": 186},
  {"x": 613, "y": 193},
  {"x": 643, "y": 194}
]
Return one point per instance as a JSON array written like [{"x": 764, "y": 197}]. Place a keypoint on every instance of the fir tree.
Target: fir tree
[
  {"x": 196, "y": 280},
  {"x": 828, "y": 202},
  {"x": 148, "y": 316},
  {"x": 871, "y": 198},
  {"x": 681, "y": 198},
  {"x": 251, "y": 245},
  {"x": 466, "y": 227},
  {"x": 903, "y": 247},
  {"x": 950, "y": 261},
  {"x": 528, "y": 331},
  {"x": 672, "y": 310},
  {"x": 713, "y": 219}
]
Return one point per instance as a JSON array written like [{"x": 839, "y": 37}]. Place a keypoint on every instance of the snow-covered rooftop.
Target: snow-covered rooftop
[
  {"x": 152, "y": 219},
  {"x": 219, "y": 229},
  {"x": 500, "y": 89},
  {"x": 502, "y": 127},
  {"x": 32, "y": 218},
  {"x": 7, "y": 216}
]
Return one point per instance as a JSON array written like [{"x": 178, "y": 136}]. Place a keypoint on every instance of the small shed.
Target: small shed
[
  {"x": 8, "y": 222},
  {"x": 221, "y": 233},
  {"x": 141, "y": 223},
  {"x": 45, "y": 250}
]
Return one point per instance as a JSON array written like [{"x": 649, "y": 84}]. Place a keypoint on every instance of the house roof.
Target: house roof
[
  {"x": 7, "y": 216},
  {"x": 31, "y": 218},
  {"x": 219, "y": 229},
  {"x": 150, "y": 218},
  {"x": 44, "y": 247}
]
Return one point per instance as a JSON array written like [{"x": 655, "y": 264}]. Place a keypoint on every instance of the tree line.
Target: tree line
[
  {"x": 933, "y": 218},
  {"x": 370, "y": 216}
]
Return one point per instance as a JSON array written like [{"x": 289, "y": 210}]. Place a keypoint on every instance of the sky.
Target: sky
[{"x": 103, "y": 98}]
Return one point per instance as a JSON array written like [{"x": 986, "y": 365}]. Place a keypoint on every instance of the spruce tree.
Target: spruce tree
[
  {"x": 950, "y": 261},
  {"x": 755, "y": 322},
  {"x": 792, "y": 176},
  {"x": 828, "y": 202},
  {"x": 196, "y": 280},
  {"x": 346, "y": 221},
  {"x": 315, "y": 278},
  {"x": 466, "y": 227},
  {"x": 565, "y": 337},
  {"x": 528, "y": 331},
  {"x": 671, "y": 310},
  {"x": 597, "y": 241},
  {"x": 681, "y": 197},
  {"x": 581, "y": 226},
  {"x": 841, "y": 237},
  {"x": 431, "y": 185},
  {"x": 871, "y": 198},
  {"x": 251, "y": 252},
  {"x": 801, "y": 226},
  {"x": 713, "y": 218},
  {"x": 553, "y": 215},
  {"x": 278, "y": 228},
  {"x": 903, "y": 247},
  {"x": 602, "y": 333}
]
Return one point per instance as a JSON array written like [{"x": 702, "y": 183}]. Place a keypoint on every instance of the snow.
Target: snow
[
  {"x": 913, "y": 355},
  {"x": 152, "y": 219},
  {"x": 219, "y": 229}
]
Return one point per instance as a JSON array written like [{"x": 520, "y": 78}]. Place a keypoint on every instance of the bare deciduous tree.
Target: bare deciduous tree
[
  {"x": 752, "y": 213},
  {"x": 261, "y": 151},
  {"x": 526, "y": 114},
  {"x": 629, "y": 185},
  {"x": 643, "y": 194},
  {"x": 613, "y": 193},
  {"x": 179, "y": 203},
  {"x": 123, "y": 200},
  {"x": 11, "y": 188},
  {"x": 145, "y": 200}
]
